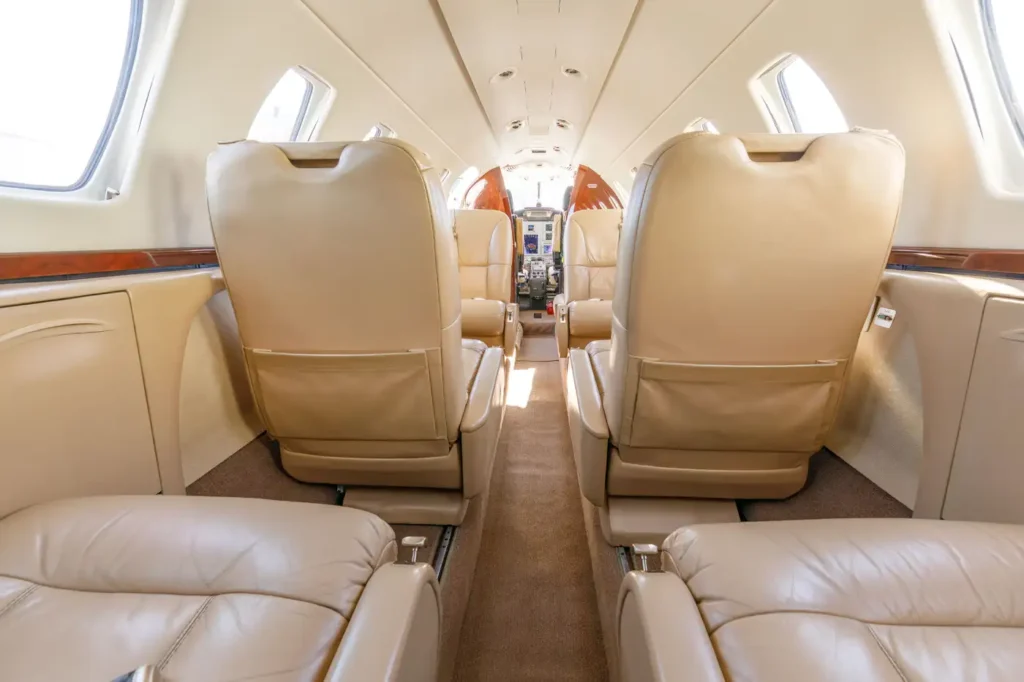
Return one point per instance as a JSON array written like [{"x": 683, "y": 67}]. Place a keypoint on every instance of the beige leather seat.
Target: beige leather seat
[
  {"x": 342, "y": 269},
  {"x": 485, "y": 276},
  {"x": 583, "y": 311},
  {"x": 884, "y": 600},
  {"x": 747, "y": 268},
  {"x": 211, "y": 589}
]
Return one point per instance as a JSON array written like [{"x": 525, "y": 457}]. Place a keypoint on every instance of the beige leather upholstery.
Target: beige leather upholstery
[
  {"x": 584, "y": 308},
  {"x": 363, "y": 379},
  {"x": 843, "y": 600},
  {"x": 728, "y": 355},
  {"x": 484, "y": 241},
  {"x": 210, "y": 589}
]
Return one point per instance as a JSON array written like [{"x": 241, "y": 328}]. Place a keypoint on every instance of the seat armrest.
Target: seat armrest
[
  {"x": 661, "y": 635},
  {"x": 562, "y": 325},
  {"x": 395, "y": 631},
  {"x": 483, "y": 317},
  {"x": 591, "y": 319},
  {"x": 511, "y": 328},
  {"x": 588, "y": 428},
  {"x": 481, "y": 422}
]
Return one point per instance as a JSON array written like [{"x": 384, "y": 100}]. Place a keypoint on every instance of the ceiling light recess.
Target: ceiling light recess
[
  {"x": 572, "y": 72},
  {"x": 504, "y": 75},
  {"x": 563, "y": 124},
  {"x": 514, "y": 124}
]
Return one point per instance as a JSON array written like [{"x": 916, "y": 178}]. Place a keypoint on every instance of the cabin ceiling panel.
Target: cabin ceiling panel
[
  {"x": 406, "y": 44},
  {"x": 536, "y": 40},
  {"x": 670, "y": 44}
]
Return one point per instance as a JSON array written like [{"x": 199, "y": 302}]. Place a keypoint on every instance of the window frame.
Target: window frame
[
  {"x": 972, "y": 99},
  {"x": 1011, "y": 100},
  {"x": 380, "y": 131},
  {"x": 702, "y": 124},
  {"x": 316, "y": 99},
  {"x": 307, "y": 99},
  {"x": 777, "y": 101},
  {"x": 131, "y": 55},
  {"x": 787, "y": 99}
]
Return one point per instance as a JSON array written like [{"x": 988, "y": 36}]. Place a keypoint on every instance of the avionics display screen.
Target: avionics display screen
[{"x": 530, "y": 241}]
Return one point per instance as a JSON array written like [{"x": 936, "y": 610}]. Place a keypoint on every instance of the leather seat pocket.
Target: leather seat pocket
[
  {"x": 777, "y": 408},
  {"x": 379, "y": 396}
]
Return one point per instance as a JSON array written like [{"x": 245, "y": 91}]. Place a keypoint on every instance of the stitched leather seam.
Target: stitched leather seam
[
  {"x": 806, "y": 612},
  {"x": 885, "y": 651},
  {"x": 22, "y": 596},
  {"x": 226, "y": 593},
  {"x": 184, "y": 633},
  {"x": 376, "y": 563}
]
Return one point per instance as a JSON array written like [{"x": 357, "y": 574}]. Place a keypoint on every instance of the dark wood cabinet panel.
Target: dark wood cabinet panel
[
  {"x": 75, "y": 263},
  {"x": 591, "y": 191}
]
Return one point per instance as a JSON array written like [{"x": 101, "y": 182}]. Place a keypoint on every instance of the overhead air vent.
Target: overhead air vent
[
  {"x": 538, "y": 151},
  {"x": 507, "y": 74},
  {"x": 515, "y": 124},
  {"x": 572, "y": 72},
  {"x": 563, "y": 124},
  {"x": 556, "y": 149}
]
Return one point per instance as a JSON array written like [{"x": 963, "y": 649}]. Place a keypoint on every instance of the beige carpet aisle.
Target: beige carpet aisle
[{"x": 532, "y": 611}]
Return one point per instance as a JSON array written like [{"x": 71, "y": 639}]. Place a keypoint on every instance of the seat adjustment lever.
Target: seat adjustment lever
[
  {"x": 644, "y": 551},
  {"x": 414, "y": 543}
]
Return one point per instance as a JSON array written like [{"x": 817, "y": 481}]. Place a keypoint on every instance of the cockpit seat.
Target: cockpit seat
[
  {"x": 847, "y": 600},
  {"x": 211, "y": 589},
  {"x": 484, "y": 239},
  {"x": 748, "y": 266},
  {"x": 370, "y": 387},
  {"x": 583, "y": 311}
]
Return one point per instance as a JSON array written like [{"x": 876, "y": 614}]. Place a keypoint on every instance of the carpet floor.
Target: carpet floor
[
  {"x": 834, "y": 490},
  {"x": 255, "y": 471},
  {"x": 538, "y": 349},
  {"x": 532, "y": 611},
  {"x": 537, "y": 322}
]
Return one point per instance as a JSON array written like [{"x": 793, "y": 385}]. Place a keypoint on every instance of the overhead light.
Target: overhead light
[
  {"x": 563, "y": 124},
  {"x": 504, "y": 75},
  {"x": 556, "y": 149},
  {"x": 572, "y": 72},
  {"x": 514, "y": 124}
]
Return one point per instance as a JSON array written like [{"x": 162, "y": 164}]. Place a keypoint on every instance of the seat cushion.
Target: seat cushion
[
  {"x": 591, "y": 319},
  {"x": 206, "y": 588},
  {"x": 472, "y": 352},
  {"x": 864, "y": 599},
  {"x": 482, "y": 317}
]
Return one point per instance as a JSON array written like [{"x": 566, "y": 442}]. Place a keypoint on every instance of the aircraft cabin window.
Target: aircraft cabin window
[
  {"x": 58, "y": 113},
  {"x": 380, "y": 130},
  {"x": 1004, "y": 24},
  {"x": 283, "y": 112},
  {"x": 461, "y": 184},
  {"x": 810, "y": 105}
]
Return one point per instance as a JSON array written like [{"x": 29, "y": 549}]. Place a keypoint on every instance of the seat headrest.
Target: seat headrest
[{"x": 327, "y": 154}]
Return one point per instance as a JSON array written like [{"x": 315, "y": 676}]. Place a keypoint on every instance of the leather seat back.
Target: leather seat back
[
  {"x": 746, "y": 270},
  {"x": 342, "y": 268},
  {"x": 484, "y": 239},
  {"x": 591, "y": 252}
]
